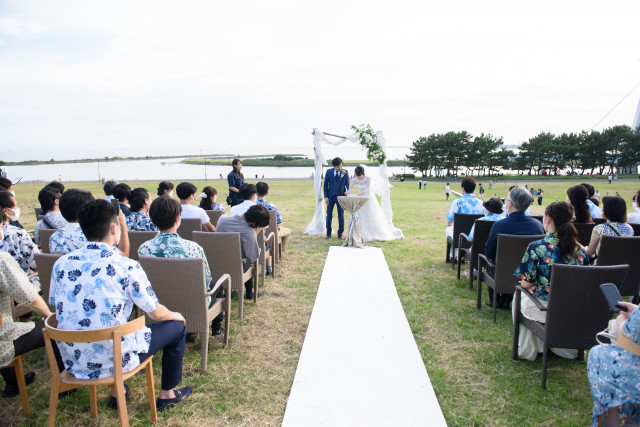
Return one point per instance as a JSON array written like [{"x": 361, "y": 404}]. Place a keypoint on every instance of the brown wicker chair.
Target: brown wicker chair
[
  {"x": 63, "y": 381},
  {"x": 462, "y": 223},
  {"x": 37, "y": 211},
  {"x": 179, "y": 283},
  {"x": 262, "y": 260},
  {"x": 45, "y": 263},
  {"x": 136, "y": 239},
  {"x": 576, "y": 309},
  {"x": 214, "y": 216},
  {"x": 17, "y": 365},
  {"x": 508, "y": 256},
  {"x": 584, "y": 232},
  {"x": 188, "y": 226},
  {"x": 636, "y": 229},
  {"x": 623, "y": 250},
  {"x": 45, "y": 235},
  {"x": 470, "y": 250},
  {"x": 224, "y": 254},
  {"x": 273, "y": 228}
]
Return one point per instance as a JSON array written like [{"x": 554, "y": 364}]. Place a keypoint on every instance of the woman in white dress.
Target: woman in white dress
[{"x": 372, "y": 220}]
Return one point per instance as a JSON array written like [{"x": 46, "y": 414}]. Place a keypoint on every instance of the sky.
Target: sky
[{"x": 121, "y": 78}]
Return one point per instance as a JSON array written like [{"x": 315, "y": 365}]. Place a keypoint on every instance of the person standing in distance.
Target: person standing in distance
[
  {"x": 235, "y": 180},
  {"x": 336, "y": 182}
]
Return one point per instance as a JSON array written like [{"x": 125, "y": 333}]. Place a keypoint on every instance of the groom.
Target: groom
[{"x": 336, "y": 182}]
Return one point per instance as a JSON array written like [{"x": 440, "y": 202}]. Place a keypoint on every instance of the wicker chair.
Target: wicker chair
[
  {"x": 273, "y": 228},
  {"x": 584, "y": 232},
  {"x": 262, "y": 259},
  {"x": 45, "y": 235},
  {"x": 224, "y": 254},
  {"x": 576, "y": 309},
  {"x": 636, "y": 229},
  {"x": 180, "y": 284},
  {"x": 63, "y": 381},
  {"x": 462, "y": 223},
  {"x": 214, "y": 216},
  {"x": 17, "y": 365},
  {"x": 616, "y": 250},
  {"x": 508, "y": 256},
  {"x": 136, "y": 239},
  {"x": 470, "y": 250},
  {"x": 598, "y": 221},
  {"x": 188, "y": 226},
  {"x": 37, "y": 211},
  {"x": 45, "y": 263}
]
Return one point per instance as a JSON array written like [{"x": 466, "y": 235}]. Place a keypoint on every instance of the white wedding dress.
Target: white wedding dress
[{"x": 372, "y": 220}]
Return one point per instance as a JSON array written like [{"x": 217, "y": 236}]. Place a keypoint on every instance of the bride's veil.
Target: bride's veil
[{"x": 377, "y": 185}]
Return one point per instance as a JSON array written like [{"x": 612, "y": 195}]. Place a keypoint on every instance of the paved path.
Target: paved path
[{"x": 360, "y": 365}]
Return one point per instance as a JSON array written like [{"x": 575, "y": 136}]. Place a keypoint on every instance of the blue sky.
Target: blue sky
[{"x": 93, "y": 79}]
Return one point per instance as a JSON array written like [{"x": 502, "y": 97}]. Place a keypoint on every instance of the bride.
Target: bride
[{"x": 372, "y": 220}]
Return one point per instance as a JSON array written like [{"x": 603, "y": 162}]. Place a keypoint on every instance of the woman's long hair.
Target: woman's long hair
[
  {"x": 562, "y": 213},
  {"x": 578, "y": 196},
  {"x": 234, "y": 163},
  {"x": 206, "y": 203}
]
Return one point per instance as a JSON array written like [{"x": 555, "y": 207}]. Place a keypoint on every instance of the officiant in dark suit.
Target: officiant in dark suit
[{"x": 336, "y": 183}]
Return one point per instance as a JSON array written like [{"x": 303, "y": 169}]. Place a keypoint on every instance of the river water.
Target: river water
[{"x": 160, "y": 169}]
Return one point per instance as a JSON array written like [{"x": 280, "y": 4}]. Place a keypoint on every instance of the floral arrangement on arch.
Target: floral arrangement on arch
[{"x": 369, "y": 140}]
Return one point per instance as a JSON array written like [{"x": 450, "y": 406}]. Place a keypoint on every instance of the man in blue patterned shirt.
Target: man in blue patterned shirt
[
  {"x": 71, "y": 236},
  {"x": 95, "y": 287},
  {"x": 467, "y": 204}
]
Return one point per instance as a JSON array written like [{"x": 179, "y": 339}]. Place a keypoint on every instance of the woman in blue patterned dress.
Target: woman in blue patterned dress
[
  {"x": 208, "y": 198},
  {"x": 559, "y": 246},
  {"x": 138, "y": 219},
  {"x": 614, "y": 373},
  {"x": 614, "y": 210}
]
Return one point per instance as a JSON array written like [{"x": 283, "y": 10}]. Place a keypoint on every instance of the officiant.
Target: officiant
[{"x": 336, "y": 183}]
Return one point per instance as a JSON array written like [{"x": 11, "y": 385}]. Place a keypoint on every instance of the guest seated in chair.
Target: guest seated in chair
[
  {"x": 577, "y": 197},
  {"x": 208, "y": 199},
  {"x": 122, "y": 192},
  {"x": 614, "y": 209},
  {"x": 7, "y": 185},
  {"x": 17, "y": 338},
  {"x": 614, "y": 373},
  {"x": 263, "y": 192},
  {"x": 95, "y": 287},
  {"x": 16, "y": 241},
  {"x": 138, "y": 219},
  {"x": 249, "y": 195},
  {"x": 248, "y": 225},
  {"x": 517, "y": 223},
  {"x": 71, "y": 236},
  {"x": 165, "y": 188},
  {"x": 187, "y": 194},
  {"x": 492, "y": 212},
  {"x": 559, "y": 246},
  {"x": 165, "y": 213},
  {"x": 107, "y": 187},
  {"x": 467, "y": 204},
  {"x": 49, "y": 198}
]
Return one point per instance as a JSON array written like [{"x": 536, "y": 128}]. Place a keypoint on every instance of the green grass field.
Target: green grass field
[{"x": 467, "y": 356}]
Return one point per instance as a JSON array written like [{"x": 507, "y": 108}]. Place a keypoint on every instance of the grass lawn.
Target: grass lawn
[{"x": 467, "y": 356}]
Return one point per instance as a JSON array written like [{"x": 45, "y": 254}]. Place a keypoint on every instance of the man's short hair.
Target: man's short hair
[
  {"x": 164, "y": 211},
  {"x": 185, "y": 190},
  {"x": 47, "y": 198},
  {"x": 137, "y": 198},
  {"x": 5, "y": 184},
  {"x": 95, "y": 218},
  {"x": 336, "y": 161},
  {"x": 520, "y": 198},
  {"x": 469, "y": 184},
  {"x": 108, "y": 187},
  {"x": 614, "y": 208},
  {"x": 262, "y": 188},
  {"x": 247, "y": 191},
  {"x": 589, "y": 188},
  {"x": 57, "y": 185},
  {"x": 257, "y": 216},
  {"x": 72, "y": 201},
  {"x": 122, "y": 191}
]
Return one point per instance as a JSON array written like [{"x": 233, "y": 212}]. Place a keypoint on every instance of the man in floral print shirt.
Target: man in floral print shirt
[{"x": 96, "y": 287}]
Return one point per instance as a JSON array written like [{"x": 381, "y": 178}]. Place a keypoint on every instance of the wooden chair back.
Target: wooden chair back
[
  {"x": 616, "y": 250},
  {"x": 584, "y": 232},
  {"x": 188, "y": 226},
  {"x": 45, "y": 235},
  {"x": 214, "y": 216},
  {"x": 44, "y": 263},
  {"x": 136, "y": 239}
]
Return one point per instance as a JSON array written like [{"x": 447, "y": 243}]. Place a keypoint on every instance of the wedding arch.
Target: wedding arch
[{"x": 377, "y": 148}]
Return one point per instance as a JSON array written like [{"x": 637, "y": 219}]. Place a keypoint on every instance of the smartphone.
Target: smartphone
[
  {"x": 613, "y": 297},
  {"x": 116, "y": 203}
]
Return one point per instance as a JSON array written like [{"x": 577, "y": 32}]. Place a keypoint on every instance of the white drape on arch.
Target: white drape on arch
[{"x": 317, "y": 224}]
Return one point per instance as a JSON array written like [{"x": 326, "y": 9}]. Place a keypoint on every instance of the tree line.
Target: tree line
[{"x": 612, "y": 150}]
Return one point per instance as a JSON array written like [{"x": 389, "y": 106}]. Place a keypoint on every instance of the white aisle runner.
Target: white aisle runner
[{"x": 360, "y": 365}]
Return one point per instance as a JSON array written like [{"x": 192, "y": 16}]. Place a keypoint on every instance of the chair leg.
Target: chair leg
[
  {"x": 446, "y": 259},
  {"x": 151, "y": 392},
  {"x": 53, "y": 402},
  {"x": 255, "y": 285},
  {"x": 479, "y": 286},
  {"x": 22, "y": 385},
  {"x": 227, "y": 320},
  {"x": 459, "y": 263},
  {"x": 516, "y": 326},
  {"x": 580, "y": 355},
  {"x": 123, "y": 415},
  {"x": 241, "y": 302},
  {"x": 545, "y": 358},
  {"x": 204, "y": 350},
  {"x": 93, "y": 401}
]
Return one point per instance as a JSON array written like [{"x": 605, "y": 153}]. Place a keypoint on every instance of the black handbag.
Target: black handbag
[{"x": 229, "y": 200}]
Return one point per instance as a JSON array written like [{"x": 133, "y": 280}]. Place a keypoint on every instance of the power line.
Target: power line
[{"x": 616, "y": 106}]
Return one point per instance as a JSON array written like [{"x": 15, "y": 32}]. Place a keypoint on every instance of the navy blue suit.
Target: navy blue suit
[{"x": 335, "y": 185}]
